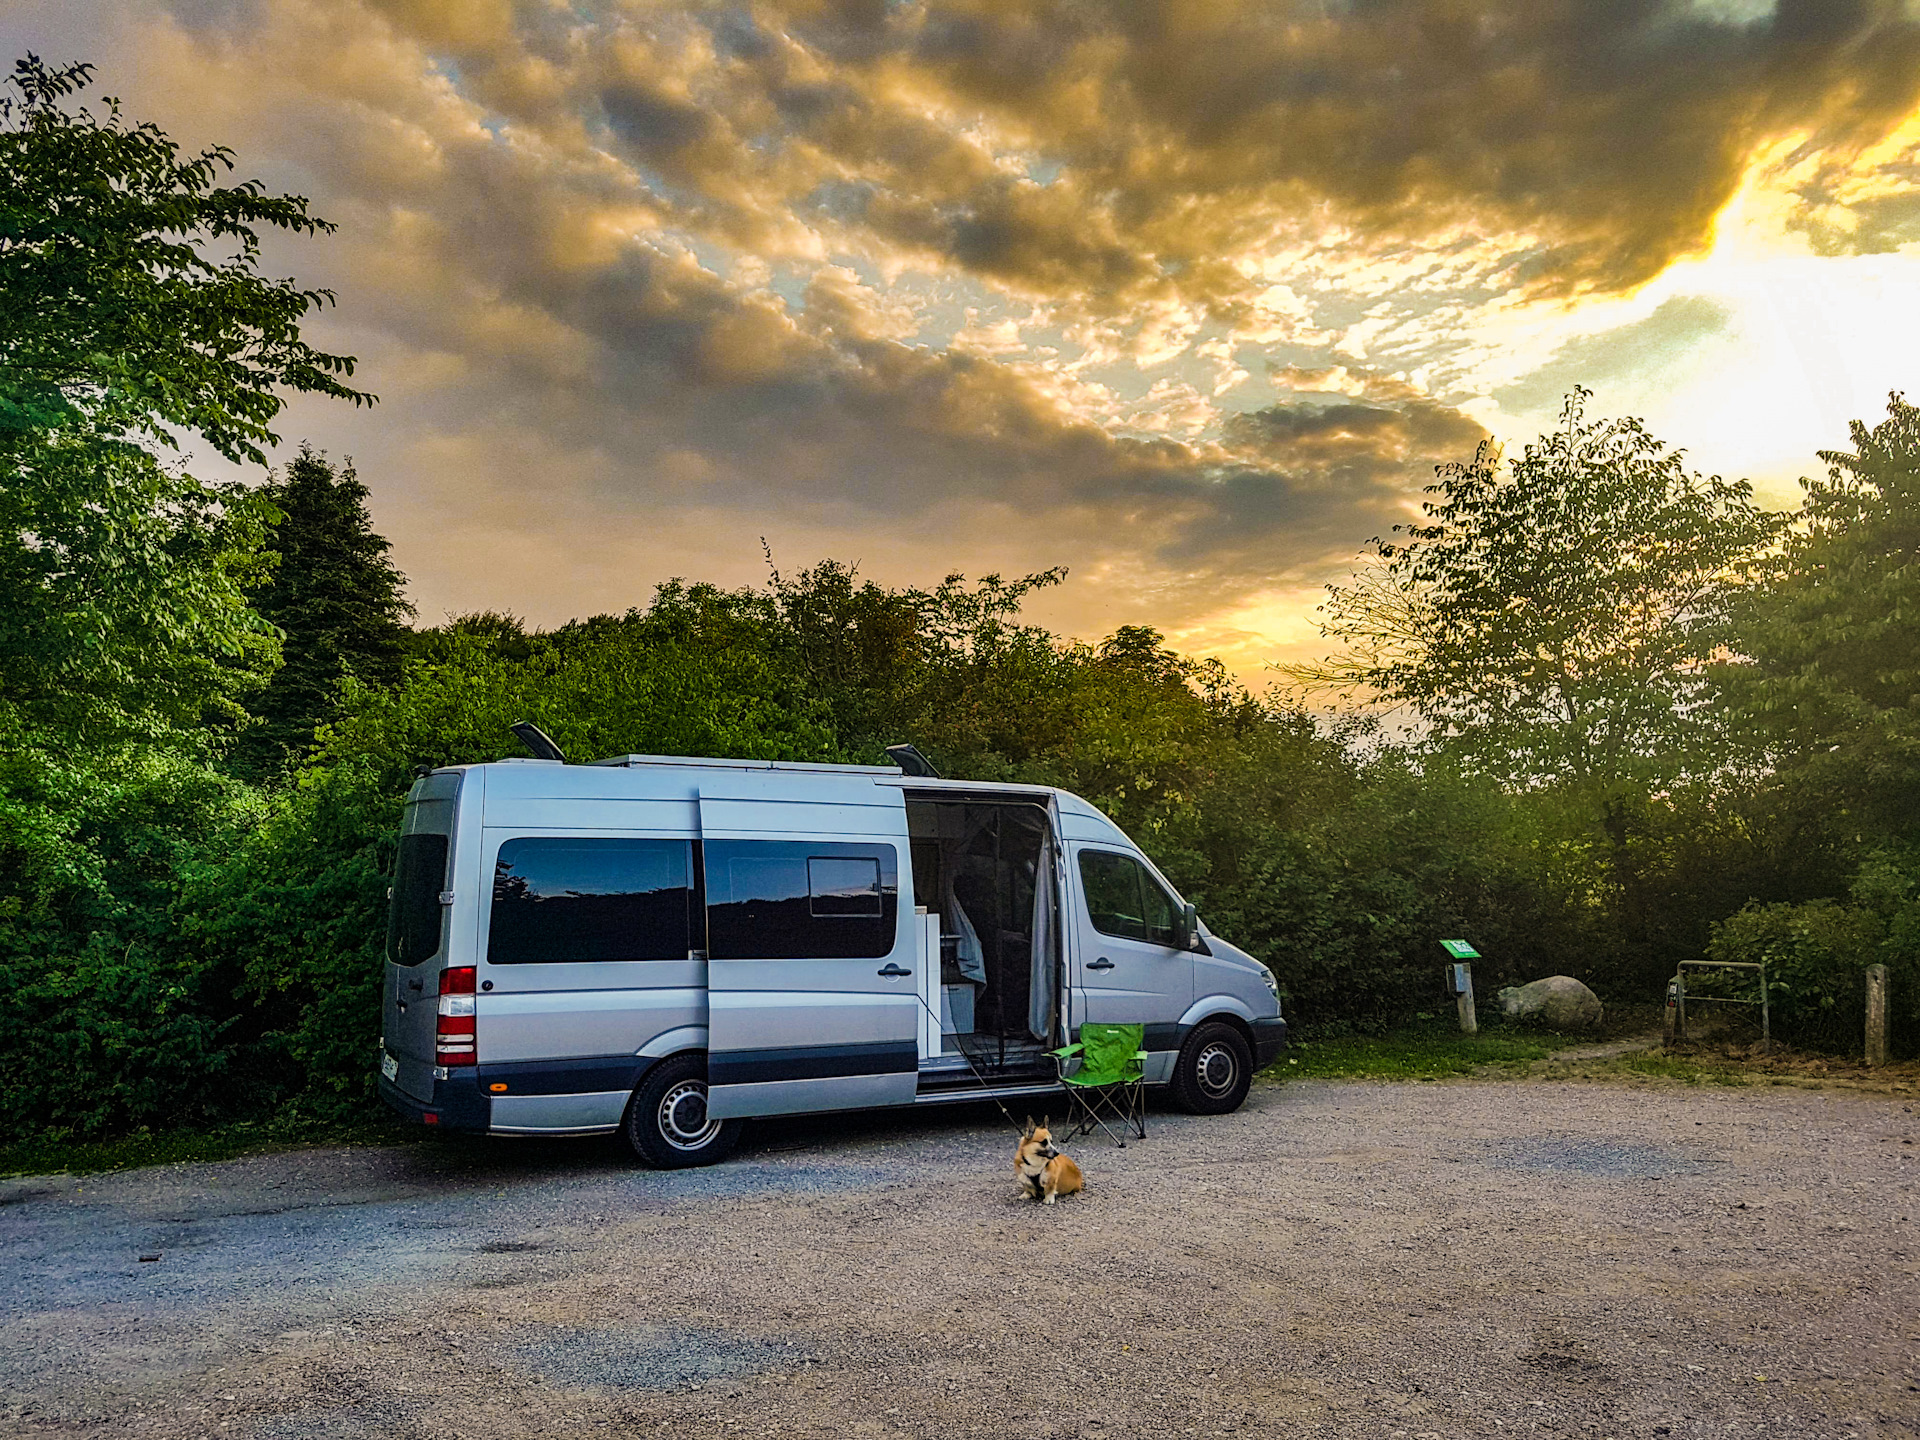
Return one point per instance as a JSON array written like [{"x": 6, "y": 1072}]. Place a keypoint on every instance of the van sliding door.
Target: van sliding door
[{"x": 812, "y": 999}]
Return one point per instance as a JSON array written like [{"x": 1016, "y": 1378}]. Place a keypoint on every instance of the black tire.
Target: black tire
[
  {"x": 1214, "y": 1070},
  {"x": 666, "y": 1122}
]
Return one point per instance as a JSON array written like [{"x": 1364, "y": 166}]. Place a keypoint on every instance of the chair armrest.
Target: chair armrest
[
  {"x": 1142, "y": 1055},
  {"x": 1065, "y": 1051}
]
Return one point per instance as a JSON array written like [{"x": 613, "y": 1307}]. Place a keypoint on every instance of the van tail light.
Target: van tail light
[{"x": 454, "y": 1039}]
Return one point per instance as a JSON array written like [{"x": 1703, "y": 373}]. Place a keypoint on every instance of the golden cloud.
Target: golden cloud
[{"x": 1014, "y": 264}]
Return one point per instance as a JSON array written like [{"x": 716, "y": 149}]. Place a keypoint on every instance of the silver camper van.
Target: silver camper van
[{"x": 667, "y": 947}]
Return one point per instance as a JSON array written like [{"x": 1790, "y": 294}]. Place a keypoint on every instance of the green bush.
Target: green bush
[
  {"x": 1816, "y": 954},
  {"x": 108, "y": 1021}
]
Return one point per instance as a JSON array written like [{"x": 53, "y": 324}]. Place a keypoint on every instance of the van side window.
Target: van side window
[
  {"x": 846, "y": 885},
  {"x": 800, "y": 900},
  {"x": 1124, "y": 900},
  {"x": 591, "y": 899},
  {"x": 413, "y": 915}
]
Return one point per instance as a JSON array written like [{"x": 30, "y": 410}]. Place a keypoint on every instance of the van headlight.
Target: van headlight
[{"x": 1273, "y": 982}]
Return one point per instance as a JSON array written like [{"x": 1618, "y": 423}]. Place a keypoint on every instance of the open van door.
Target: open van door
[{"x": 812, "y": 999}]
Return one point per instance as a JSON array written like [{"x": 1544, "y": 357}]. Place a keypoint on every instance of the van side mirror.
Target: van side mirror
[{"x": 1189, "y": 927}]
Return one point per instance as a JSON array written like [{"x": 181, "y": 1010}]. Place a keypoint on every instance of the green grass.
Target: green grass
[
  {"x": 92, "y": 1157},
  {"x": 1679, "y": 1067},
  {"x": 1432, "y": 1051}
]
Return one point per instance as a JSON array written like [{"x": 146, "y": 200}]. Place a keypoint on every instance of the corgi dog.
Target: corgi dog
[{"x": 1045, "y": 1174}]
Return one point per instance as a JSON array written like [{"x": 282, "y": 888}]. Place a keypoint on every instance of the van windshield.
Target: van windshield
[{"x": 413, "y": 917}]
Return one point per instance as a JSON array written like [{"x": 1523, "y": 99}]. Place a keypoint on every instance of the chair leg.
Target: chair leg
[
  {"x": 1080, "y": 1114},
  {"x": 1080, "y": 1118},
  {"x": 1103, "y": 1103}
]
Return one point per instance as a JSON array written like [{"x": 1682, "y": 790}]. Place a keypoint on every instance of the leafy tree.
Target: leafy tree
[
  {"x": 337, "y": 601},
  {"x": 132, "y": 311},
  {"x": 1551, "y": 619},
  {"x": 123, "y": 598},
  {"x": 132, "y": 314},
  {"x": 117, "y": 310},
  {"x": 1828, "y": 680}
]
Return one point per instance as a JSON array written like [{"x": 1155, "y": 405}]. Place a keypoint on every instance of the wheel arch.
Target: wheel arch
[
  {"x": 669, "y": 1043},
  {"x": 1234, "y": 1012}
]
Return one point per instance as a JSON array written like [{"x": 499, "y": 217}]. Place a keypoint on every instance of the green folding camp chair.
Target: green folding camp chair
[{"x": 1111, "y": 1082}]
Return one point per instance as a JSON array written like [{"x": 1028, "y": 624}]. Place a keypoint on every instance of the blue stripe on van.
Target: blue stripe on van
[
  {"x": 593, "y": 1075},
  {"x": 812, "y": 1062}
]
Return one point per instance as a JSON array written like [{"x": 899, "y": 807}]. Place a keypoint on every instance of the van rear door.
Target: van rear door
[
  {"x": 417, "y": 933},
  {"x": 812, "y": 1000}
]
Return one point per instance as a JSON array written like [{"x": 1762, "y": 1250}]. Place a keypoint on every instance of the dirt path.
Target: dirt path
[
  {"x": 1460, "y": 1260},
  {"x": 1607, "y": 1049}
]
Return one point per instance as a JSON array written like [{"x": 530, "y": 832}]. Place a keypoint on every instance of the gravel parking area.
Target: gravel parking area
[{"x": 1472, "y": 1259}]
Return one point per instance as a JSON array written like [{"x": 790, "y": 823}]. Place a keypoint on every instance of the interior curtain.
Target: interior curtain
[
  {"x": 967, "y": 953},
  {"x": 1043, "y": 984}
]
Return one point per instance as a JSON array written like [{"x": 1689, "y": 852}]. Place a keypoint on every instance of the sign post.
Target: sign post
[{"x": 1460, "y": 983}]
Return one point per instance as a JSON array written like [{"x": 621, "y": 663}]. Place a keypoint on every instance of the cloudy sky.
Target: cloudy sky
[{"x": 1186, "y": 295}]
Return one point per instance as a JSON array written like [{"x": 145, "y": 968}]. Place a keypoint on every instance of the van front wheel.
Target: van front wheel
[
  {"x": 1214, "y": 1070},
  {"x": 667, "y": 1124}
]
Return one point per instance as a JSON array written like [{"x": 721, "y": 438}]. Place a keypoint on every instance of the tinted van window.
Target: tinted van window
[
  {"x": 1124, "y": 900},
  {"x": 414, "y": 912},
  {"x": 800, "y": 900},
  {"x": 576, "y": 899}
]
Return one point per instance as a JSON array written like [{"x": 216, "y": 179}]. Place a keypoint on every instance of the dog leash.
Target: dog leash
[{"x": 1019, "y": 1129}]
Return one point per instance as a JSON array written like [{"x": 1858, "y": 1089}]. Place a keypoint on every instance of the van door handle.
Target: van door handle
[
  {"x": 893, "y": 972},
  {"x": 413, "y": 984},
  {"x": 1101, "y": 964}
]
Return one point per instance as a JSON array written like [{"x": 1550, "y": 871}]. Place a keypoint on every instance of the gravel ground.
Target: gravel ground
[{"x": 1473, "y": 1259}]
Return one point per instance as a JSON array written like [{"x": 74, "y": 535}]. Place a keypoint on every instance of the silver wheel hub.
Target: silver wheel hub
[
  {"x": 1216, "y": 1069},
  {"x": 684, "y": 1121}
]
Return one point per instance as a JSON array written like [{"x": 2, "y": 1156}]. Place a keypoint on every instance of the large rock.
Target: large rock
[{"x": 1559, "y": 1000}]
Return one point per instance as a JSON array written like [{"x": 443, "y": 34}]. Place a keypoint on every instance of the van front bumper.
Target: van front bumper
[
  {"x": 1269, "y": 1041},
  {"x": 458, "y": 1104}
]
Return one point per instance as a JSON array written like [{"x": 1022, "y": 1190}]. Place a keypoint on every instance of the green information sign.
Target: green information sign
[{"x": 1461, "y": 950}]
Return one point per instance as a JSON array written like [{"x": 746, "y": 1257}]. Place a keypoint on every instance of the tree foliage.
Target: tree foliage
[
  {"x": 131, "y": 302},
  {"x": 1827, "y": 680},
  {"x": 132, "y": 314},
  {"x": 123, "y": 599},
  {"x": 336, "y": 600},
  {"x": 1552, "y": 619},
  {"x": 132, "y": 311}
]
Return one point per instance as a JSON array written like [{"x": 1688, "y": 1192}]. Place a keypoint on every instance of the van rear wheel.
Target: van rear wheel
[
  {"x": 667, "y": 1124},
  {"x": 1214, "y": 1070}
]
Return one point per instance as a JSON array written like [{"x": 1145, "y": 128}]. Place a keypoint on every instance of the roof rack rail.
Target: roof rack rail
[{"x": 716, "y": 764}]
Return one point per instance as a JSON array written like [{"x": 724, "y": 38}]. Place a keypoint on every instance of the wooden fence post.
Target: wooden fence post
[
  {"x": 1469, "y": 1022},
  {"x": 1876, "y": 1014}
]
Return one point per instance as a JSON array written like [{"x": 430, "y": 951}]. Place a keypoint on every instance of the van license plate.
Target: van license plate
[{"x": 390, "y": 1066}]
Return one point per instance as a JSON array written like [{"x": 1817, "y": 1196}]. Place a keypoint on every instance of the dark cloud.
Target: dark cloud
[
  {"x": 651, "y": 122},
  {"x": 1614, "y": 132},
  {"x": 1604, "y": 134}
]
